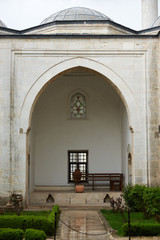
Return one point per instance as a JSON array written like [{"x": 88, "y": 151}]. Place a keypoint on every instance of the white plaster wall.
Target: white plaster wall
[{"x": 54, "y": 133}]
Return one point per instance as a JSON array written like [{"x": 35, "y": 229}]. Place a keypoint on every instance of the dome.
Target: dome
[
  {"x": 156, "y": 23},
  {"x": 75, "y": 14},
  {"x": 2, "y": 24}
]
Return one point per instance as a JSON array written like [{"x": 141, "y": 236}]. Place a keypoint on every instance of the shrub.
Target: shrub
[
  {"x": 54, "y": 211},
  {"x": 141, "y": 229},
  {"x": 32, "y": 234},
  {"x": 34, "y": 222},
  {"x": 11, "y": 234},
  {"x": 133, "y": 196},
  {"x": 126, "y": 195},
  {"x": 25, "y": 222},
  {"x": 151, "y": 200}
]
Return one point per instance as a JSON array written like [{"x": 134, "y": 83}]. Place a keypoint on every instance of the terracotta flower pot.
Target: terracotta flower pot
[{"x": 79, "y": 188}]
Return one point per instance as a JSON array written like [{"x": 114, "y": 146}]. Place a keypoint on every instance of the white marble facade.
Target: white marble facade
[{"x": 116, "y": 68}]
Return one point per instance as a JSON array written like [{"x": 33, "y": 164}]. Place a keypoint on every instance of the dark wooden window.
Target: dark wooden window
[{"x": 77, "y": 160}]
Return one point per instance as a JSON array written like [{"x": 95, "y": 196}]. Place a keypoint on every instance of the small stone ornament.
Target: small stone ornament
[{"x": 50, "y": 199}]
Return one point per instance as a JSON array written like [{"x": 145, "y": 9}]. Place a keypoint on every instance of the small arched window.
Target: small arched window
[{"x": 78, "y": 106}]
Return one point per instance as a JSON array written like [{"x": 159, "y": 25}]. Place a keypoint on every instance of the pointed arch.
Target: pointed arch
[{"x": 55, "y": 71}]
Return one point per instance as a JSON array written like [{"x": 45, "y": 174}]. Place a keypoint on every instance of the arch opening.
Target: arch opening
[{"x": 104, "y": 132}]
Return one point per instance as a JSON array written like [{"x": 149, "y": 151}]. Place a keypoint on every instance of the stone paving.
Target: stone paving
[{"x": 84, "y": 221}]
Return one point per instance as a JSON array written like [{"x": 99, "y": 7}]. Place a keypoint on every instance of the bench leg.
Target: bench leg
[{"x": 111, "y": 185}]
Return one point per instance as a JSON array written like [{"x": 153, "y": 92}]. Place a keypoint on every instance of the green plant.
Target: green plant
[
  {"x": 32, "y": 234},
  {"x": 54, "y": 213},
  {"x": 116, "y": 220},
  {"x": 25, "y": 222},
  {"x": 30, "y": 213},
  {"x": 151, "y": 200},
  {"x": 117, "y": 206},
  {"x": 126, "y": 195},
  {"x": 141, "y": 229},
  {"x": 11, "y": 234},
  {"x": 133, "y": 196},
  {"x": 35, "y": 222}
]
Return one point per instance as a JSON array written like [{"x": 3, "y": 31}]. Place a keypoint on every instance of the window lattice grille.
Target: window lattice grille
[{"x": 77, "y": 160}]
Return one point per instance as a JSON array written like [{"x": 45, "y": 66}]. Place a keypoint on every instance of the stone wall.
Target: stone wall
[
  {"x": 131, "y": 67},
  {"x": 153, "y": 90}
]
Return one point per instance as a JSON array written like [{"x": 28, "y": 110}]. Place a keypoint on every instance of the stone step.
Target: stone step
[{"x": 71, "y": 198}]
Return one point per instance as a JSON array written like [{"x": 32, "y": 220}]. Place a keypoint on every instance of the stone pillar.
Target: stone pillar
[
  {"x": 149, "y": 13},
  {"x": 139, "y": 157}
]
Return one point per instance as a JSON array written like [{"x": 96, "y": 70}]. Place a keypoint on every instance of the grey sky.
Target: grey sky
[{"x": 22, "y": 14}]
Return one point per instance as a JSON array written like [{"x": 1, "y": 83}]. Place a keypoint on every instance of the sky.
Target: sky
[{"x": 23, "y": 14}]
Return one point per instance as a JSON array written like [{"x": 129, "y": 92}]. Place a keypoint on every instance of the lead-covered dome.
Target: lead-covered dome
[{"x": 76, "y": 14}]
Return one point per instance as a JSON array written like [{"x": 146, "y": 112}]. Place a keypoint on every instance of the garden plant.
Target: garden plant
[
  {"x": 45, "y": 224},
  {"x": 143, "y": 203}
]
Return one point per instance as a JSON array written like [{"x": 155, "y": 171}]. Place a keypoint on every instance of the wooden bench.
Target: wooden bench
[{"x": 114, "y": 180}]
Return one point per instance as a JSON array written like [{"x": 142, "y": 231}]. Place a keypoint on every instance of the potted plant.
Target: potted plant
[{"x": 77, "y": 179}]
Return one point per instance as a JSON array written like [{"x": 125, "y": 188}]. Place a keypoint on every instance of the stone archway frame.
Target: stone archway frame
[{"x": 55, "y": 71}]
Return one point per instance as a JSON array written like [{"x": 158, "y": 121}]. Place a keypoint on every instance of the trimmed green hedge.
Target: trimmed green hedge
[
  {"x": 140, "y": 229},
  {"x": 34, "y": 222},
  {"x": 51, "y": 216},
  {"x": 11, "y": 234},
  {"x": 25, "y": 222},
  {"x": 32, "y": 234}
]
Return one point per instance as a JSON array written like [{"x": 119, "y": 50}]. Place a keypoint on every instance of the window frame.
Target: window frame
[
  {"x": 72, "y": 99},
  {"x": 78, "y": 163}
]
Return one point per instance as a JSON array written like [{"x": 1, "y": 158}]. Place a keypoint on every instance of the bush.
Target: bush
[
  {"x": 133, "y": 196},
  {"x": 32, "y": 234},
  {"x": 11, "y": 234},
  {"x": 151, "y": 200},
  {"x": 25, "y": 222},
  {"x": 140, "y": 229},
  {"x": 144, "y": 199},
  {"x": 126, "y": 195},
  {"x": 34, "y": 222},
  {"x": 54, "y": 211}
]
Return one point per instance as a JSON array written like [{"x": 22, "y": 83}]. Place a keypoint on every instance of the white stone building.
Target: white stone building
[{"x": 82, "y": 86}]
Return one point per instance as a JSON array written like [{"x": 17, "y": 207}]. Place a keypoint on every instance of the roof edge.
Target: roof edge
[
  {"x": 74, "y": 22},
  {"x": 115, "y": 24},
  {"x": 85, "y": 36}
]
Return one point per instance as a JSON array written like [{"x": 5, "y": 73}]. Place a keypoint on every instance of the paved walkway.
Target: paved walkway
[{"x": 85, "y": 221}]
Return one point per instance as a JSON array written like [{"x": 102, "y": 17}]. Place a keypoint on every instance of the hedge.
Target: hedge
[
  {"x": 34, "y": 222},
  {"x": 11, "y": 234},
  {"x": 25, "y": 222},
  {"x": 54, "y": 211},
  {"x": 32, "y": 234},
  {"x": 141, "y": 229}
]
